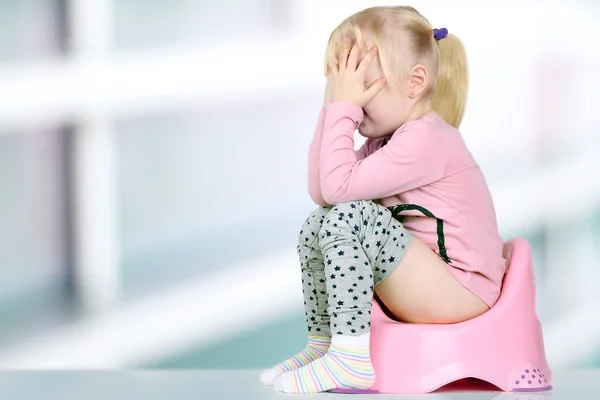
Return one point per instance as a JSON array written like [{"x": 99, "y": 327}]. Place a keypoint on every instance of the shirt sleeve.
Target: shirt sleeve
[
  {"x": 314, "y": 155},
  {"x": 413, "y": 157},
  {"x": 365, "y": 149}
]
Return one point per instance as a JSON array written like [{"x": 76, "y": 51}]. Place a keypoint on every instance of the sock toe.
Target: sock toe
[
  {"x": 317, "y": 347},
  {"x": 269, "y": 376},
  {"x": 283, "y": 384}
]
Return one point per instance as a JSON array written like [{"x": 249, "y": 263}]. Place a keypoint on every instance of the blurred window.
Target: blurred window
[
  {"x": 201, "y": 190},
  {"x": 33, "y": 259},
  {"x": 30, "y": 29},
  {"x": 149, "y": 23}
]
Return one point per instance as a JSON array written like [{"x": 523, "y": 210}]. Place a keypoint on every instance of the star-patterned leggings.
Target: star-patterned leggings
[{"x": 345, "y": 251}]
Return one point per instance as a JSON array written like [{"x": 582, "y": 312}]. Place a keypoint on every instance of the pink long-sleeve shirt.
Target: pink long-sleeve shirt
[{"x": 427, "y": 164}]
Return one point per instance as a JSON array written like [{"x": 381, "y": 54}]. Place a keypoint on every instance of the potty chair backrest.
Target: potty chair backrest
[{"x": 519, "y": 279}]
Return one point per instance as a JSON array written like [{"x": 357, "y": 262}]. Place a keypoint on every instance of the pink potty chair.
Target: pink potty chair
[{"x": 504, "y": 346}]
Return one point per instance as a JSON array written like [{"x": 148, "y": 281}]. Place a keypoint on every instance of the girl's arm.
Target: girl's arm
[
  {"x": 314, "y": 156},
  {"x": 410, "y": 159}
]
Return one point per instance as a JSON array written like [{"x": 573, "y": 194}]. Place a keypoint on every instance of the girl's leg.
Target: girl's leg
[
  {"x": 422, "y": 290},
  {"x": 315, "y": 298},
  {"x": 362, "y": 243}
]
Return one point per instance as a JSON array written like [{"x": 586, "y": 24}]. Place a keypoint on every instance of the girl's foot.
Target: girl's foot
[
  {"x": 343, "y": 367},
  {"x": 316, "y": 348}
]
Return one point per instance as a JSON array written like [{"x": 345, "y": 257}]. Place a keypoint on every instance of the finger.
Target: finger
[
  {"x": 375, "y": 88},
  {"x": 353, "y": 58},
  {"x": 343, "y": 59},
  {"x": 366, "y": 61}
]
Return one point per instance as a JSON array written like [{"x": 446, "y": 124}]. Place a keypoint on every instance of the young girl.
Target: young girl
[{"x": 408, "y": 217}]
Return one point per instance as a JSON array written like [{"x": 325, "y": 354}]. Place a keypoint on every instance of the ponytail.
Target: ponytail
[{"x": 450, "y": 94}]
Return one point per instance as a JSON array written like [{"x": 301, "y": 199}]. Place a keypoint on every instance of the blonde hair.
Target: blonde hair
[{"x": 404, "y": 38}]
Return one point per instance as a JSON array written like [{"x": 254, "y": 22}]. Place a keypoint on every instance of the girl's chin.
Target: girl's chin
[
  {"x": 365, "y": 131},
  {"x": 370, "y": 133}
]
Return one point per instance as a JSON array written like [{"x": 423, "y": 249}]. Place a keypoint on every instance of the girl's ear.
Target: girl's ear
[{"x": 418, "y": 80}]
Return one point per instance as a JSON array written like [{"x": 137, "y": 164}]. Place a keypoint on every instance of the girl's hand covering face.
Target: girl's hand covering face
[{"x": 349, "y": 78}]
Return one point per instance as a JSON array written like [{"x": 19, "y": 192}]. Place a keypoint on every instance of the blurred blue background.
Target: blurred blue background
[{"x": 153, "y": 171}]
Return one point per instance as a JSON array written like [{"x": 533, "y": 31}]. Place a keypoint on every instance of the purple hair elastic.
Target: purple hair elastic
[{"x": 439, "y": 34}]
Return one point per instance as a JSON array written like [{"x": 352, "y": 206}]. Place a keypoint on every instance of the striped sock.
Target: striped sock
[
  {"x": 316, "y": 348},
  {"x": 341, "y": 368}
]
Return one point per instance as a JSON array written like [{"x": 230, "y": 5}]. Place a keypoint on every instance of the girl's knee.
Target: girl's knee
[
  {"x": 320, "y": 212},
  {"x": 366, "y": 208},
  {"x": 353, "y": 205},
  {"x": 313, "y": 223},
  {"x": 317, "y": 215},
  {"x": 341, "y": 218}
]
